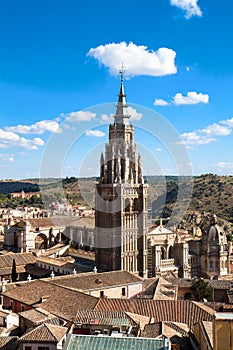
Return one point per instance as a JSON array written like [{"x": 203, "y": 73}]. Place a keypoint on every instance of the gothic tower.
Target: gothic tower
[{"x": 121, "y": 199}]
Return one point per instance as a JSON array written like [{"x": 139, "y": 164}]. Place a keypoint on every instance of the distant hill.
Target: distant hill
[
  {"x": 211, "y": 193},
  {"x": 7, "y": 187}
]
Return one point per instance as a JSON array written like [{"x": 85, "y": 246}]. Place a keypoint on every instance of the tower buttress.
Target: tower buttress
[{"x": 121, "y": 199}]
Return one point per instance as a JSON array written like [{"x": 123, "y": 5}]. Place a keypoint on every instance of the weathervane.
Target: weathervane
[{"x": 122, "y": 70}]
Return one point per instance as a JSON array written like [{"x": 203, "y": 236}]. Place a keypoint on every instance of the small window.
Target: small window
[
  {"x": 28, "y": 347},
  {"x": 123, "y": 292},
  {"x": 22, "y": 308},
  {"x": 101, "y": 294}
]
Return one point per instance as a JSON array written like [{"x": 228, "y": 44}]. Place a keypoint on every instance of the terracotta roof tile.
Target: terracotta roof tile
[
  {"x": 55, "y": 299},
  {"x": 20, "y": 259},
  {"x": 90, "y": 281},
  {"x": 61, "y": 221},
  {"x": 208, "y": 327},
  {"x": 8, "y": 343},
  {"x": 152, "y": 330},
  {"x": 160, "y": 310},
  {"x": 36, "y": 316},
  {"x": 44, "y": 333},
  {"x": 106, "y": 318}
]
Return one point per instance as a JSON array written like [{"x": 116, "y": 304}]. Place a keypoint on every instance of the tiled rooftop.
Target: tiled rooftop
[
  {"x": 20, "y": 259},
  {"x": 208, "y": 327},
  {"x": 152, "y": 330},
  {"x": 91, "y": 281},
  {"x": 61, "y": 221},
  {"x": 9, "y": 343},
  {"x": 112, "y": 318},
  {"x": 107, "y": 318},
  {"x": 44, "y": 333},
  {"x": 36, "y": 316},
  {"x": 149, "y": 288},
  {"x": 160, "y": 310},
  {"x": 57, "y": 300},
  {"x": 58, "y": 262},
  {"x": 54, "y": 249}
]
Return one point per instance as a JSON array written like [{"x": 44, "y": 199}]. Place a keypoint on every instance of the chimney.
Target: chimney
[
  {"x": 29, "y": 278},
  {"x": 43, "y": 298},
  {"x": 3, "y": 285}
]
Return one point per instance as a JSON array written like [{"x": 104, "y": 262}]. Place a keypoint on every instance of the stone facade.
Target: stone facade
[
  {"x": 215, "y": 251},
  {"x": 121, "y": 200}
]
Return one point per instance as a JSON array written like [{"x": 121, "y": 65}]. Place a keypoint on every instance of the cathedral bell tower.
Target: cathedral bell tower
[{"x": 121, "y": 199}]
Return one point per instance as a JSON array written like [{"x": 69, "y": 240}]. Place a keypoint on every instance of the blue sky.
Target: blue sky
[{"x": 59, "y": 81}]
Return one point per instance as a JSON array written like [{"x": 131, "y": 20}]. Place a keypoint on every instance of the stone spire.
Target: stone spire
[{"x": 121, "y": 116}]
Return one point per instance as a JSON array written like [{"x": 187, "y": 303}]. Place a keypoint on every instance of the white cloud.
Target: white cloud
[
  {"x": 158, "y": 149},
  {"x": 208, "y": 134},
  {"x": 107, "y": 118},
  {"x": 30, "y": 144},
  {"x": 224, "y": 165},
  {"x": 134, "y": 115},
  {"x": 138, "y": 59},
  {"x": 80, "y": 116},
  {"x": 216, "y": 129},
  {"x": 195, "y": 138},
  {"x": 10, "y": 139},
  {"x": 160, "y": 102},
  {"x": 95, "y": 133},
  {"x": 8, "y": 136},
  {"x": 130, "y": 111},
  {"x": 37, "y": 128},
  {"x": 192, "y": 98},
  {"x": 38, "y": 141},
  {"x": 189, "y": 6},
  {"x": 228, "y": 122},
  {"x": 7, "y": 158}
]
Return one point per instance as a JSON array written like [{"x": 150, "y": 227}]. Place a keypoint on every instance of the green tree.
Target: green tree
[
  {"x": 13, "y": 272},
  {"x": 201, "y": 290},
  {"x": 229, "y": 237}
]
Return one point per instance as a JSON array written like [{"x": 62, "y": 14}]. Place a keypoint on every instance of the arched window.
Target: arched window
[
  {"x": 136, "y": 204},
  {"x": 163, "y": 253},
  {"x": 127, "y": 205}
]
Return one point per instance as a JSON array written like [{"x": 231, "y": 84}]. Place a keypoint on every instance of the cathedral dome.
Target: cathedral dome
[{"x": 216, "y": 233}]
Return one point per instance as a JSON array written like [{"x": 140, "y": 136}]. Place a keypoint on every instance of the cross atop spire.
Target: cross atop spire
[
  {"x": 122, "y": 70},
  {"x": 122, "y": 116}
]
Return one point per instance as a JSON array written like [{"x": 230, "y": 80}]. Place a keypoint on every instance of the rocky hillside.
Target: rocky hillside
[{"x": 211, "y": 193}]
